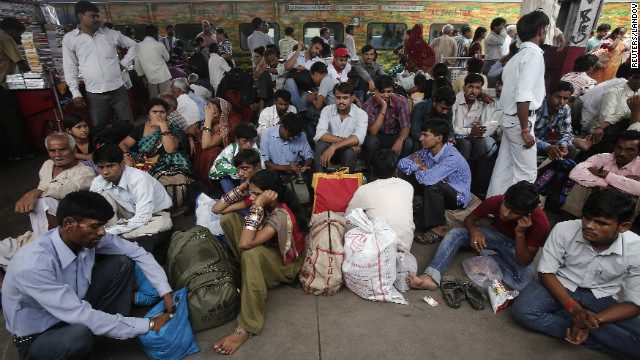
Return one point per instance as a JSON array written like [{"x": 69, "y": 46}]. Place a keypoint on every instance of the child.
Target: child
[
  {"x": 223, "y": 168},
  {"x": 77, "y": 126}
]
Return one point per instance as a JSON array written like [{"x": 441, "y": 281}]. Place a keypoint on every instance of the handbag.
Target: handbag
[{"x": 334, "y": 191}]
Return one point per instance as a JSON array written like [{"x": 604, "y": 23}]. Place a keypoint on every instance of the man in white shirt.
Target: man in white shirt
[
  {"x": 151, "y": 63},
  {"x": 591, "y": 100},
  {"x": 259, "y": 37},
  {"x": 584, "y": 265},
  {"x": 299, "y": 61},
  {"x": 341, "y": 130},
  {"x": 271, "y": 116},
  {"x": 92, "y": 51},
  {"x": 522, "y": 95},
  {"x": 340, "y": 66},
  {"x": 350, "y": 42},
  {"x": 187, "y": 107},
  {"x": 173, "y": 117},
  {"x": 218, "y": 67},
  {"x": 139, "y": 201},
  {"x": 325, "y": 34},
  {"x": 551, "y": 8},
  {"x": 201, "y": 91},
  {"x": 493, "y": 43},
  {"x": 511, "y": 32}
]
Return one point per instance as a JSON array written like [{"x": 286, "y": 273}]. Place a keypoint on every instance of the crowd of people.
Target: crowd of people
[{"x": 437, "y": 156}]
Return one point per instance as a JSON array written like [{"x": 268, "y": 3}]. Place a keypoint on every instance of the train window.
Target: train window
[
  {"x": 139, "y": 30},
  {"x": 336, "y": 30},
  {"x": 245, "y": 29},
  {"x": 187, "y": 33},
  {"x": 385, "y": 35},
  {"x": 436, "y": 30}
]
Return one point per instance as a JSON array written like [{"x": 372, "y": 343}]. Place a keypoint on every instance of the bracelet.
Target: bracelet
[
  {"x": 524, "y": 130},
  {"x": 128, "y": 154},
  {"x": 232, "y": 196},
  {"x": 204, "y": 128},
  {"x": 401, "y": 139},
  {"x": 570, "y": 303},
  {"x": 152, "y": 322},
  {"x": 254, "y": 218},
  {"x": 242, "y": 332},
  {"x": 165, "y": 133}
]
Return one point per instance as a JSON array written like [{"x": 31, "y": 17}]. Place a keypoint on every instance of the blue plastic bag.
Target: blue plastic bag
[
  {"x": 146, "y": 295},
  {"x": 175, "y": 339}
]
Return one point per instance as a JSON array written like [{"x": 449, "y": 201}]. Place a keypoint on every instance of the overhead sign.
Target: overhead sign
[
  {"x": 356, "y": 7},
  {"x": 318, "y": 7},
  {"x": 415, "y": 8}
]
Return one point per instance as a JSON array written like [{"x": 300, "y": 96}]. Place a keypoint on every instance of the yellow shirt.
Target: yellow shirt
[{"x": 9, "y": 56}]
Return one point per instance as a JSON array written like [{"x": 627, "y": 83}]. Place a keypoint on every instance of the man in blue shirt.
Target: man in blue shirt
[
  {"x": 555, "y": 114},
  {"x": 283, "y": 147},
  {"x": 441, "y": 174},
  {"x": 55, "y": 299}
]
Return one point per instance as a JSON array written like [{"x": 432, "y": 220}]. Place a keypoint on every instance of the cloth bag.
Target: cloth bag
[
  {"x": 175, "y": 339},
  {"x": 369, "y": 268},
  {"x": 334, "y": 191},
  {"x": 321, "y": 271}
]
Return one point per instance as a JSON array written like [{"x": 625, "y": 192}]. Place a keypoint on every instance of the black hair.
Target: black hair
[
  {"x": 445, "y": 94},
  {"x": 584, "y": 62},
  {"x": 169, "y": 26},
  {"x": 256, "y": 23},
  {"x": 317, "y": 40},
  {"x": 609, "y": 204},
  {"x": 324, "y": 30},
  {"x": 318, "y": 67},
  {"x": 290, "y": 123},
  {"x": 84, "y": 204},
  {"x": 282, "y": 94},
  {"x": 128, "y": 31},
  {"x": 465, "y": 29},
  {"x": 522, "y": 197},
  {"x": 84, "y": 6},
  {"x": 72, "y": 119},
  {"x": 213, "y": 48},
  {"x": 245, "y": 130},
  {"x": 474, "y": 78},
  {"x": 288, "y": 30},
  {"x": 349, "y": 28},
  {"x": 603, "y": 27},
  {"x": 474, "y": 65},
  {"x": 456, "y": 30},
  {"x": 437, "y": 127},
  {"x": 150, "y": 30},
  {"x": 497, "y": 22},
  {"x": 513, "y": 48},
  {"x": 198, "y": 41},
  {"x": 624, "y": 71},
  {"x": 560, "y": 86},
  {"x": 222, "y": 32},
  {"x": 246, "y": 156},
  {"x": 259, "y": 50},
  {"x": 384, "y": 164},
  {"x": 344, "y": 87},
  {"x": 326, "y": 50},
  {"x": 270, "y": 180},
  {"x": 109, "y": 153},
  {"x": 629, "y": 135},
  {"x": 11, "y": 23},
  {"x": 274, "y": 48},
  {"x": 156, "y": 101},
  {"x": 633, "y": 71},
  {"x": 108, "y": 25},
  {"x": 340, "y": 46},
  {"x": 479, "y": 31},
  {"x": 367, "y": 48},
  {"x": 529, "y": 24},
  {"x": 172, "y": 61},
  {"x": 615, "y": 32},
  {"x": 383, "y": 82}
]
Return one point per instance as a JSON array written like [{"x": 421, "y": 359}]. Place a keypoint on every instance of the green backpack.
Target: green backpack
[{"x": 199, "y": 260}]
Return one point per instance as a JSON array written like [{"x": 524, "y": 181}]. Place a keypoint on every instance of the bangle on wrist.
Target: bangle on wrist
[
  {"x": 525, "y": 130},
  {"x": 166, "y": 133},
  {"x": 570, "y": 304},
  {"x": 204, "y": 128},
  {"x": 152, "y": 322}
]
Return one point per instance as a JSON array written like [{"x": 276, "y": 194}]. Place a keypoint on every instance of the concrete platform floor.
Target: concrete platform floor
[{"x": 299, "y": 326}]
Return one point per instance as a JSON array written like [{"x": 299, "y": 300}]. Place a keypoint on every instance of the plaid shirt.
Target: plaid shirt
[
  {"x": 545, "y": 124},
  {"x": 396, "y": 117}
]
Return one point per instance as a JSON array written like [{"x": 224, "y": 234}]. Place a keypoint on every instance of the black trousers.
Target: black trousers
[
  {"x": 608, "y": 142},
  {"x": 12, "y": 130},
  {"x": 437, "y": 198},
  {"x": 110, "y": 291}
]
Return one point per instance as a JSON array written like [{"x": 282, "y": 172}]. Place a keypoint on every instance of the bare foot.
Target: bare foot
[
  {"x": 582, "y": 144},
  {"x": 424, "y": 282},
  {"x": 231, "y": 343},
  {"x": 442, "y": 230}
]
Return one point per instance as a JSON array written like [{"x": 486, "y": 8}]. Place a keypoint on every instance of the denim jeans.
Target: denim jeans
[
  {"x": 300, "y": 102},
  {"x": 537, "y": 309},
  {"x": 514, "y": 275}
]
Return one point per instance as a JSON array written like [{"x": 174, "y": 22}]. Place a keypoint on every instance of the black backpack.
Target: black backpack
[
  {"x": 239, "y": 82},
  {"x": 198, "y": 64},
  {"x": 554, "y": 183}
]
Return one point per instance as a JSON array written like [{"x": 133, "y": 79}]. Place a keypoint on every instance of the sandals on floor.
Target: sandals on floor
[
  {"x": 430, "y": 237},
  {"x": 452, "y": 291},
  {"x": 473, "y": 293}
]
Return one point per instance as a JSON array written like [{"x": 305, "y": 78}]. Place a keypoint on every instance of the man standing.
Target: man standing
[
  {"x": 511, "y": 32},
  {"x": 151, "y": 63},
  {"x": 341, "y": 131},
  {"x": 555, "y": 114},
  {"x": 584, "y": 265},
  {"x": 55, "y": 300},
  {"x": 287, "y": 43},
  {"x": 350, "y": 42},
  {"x": 92, "y": 51},
  {"x": 325, "y": 34},
  {"x": 595, "y": 41},
  {"x": 493, "y": 43},
  {"x": 259, "y": 37},
  {"x": 11, "y": 126},
  {"x": 273, "y": 114},
  {"x": 170, "y": 40},
  {"x": 207, "y": 34},
  {"x": 445, "y": 46},
  {"x": 523, "y": 93}
]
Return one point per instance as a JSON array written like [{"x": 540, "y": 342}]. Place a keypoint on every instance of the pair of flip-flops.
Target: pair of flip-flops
[
  {"x": 430, "y": 237},
  {"x": 455, "y": 291}
]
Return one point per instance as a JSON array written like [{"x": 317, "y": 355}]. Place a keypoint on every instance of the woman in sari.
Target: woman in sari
[
  {"x": 209, "y": 137},
  {"x": 614, "y": 43},
  {"x": 268, "y": 245},
  {"x": 159, "y": 147},
  {"x": 476, "y": 45}
]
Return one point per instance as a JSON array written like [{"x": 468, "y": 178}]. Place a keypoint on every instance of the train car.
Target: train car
[{"x": 380, "y": 23}]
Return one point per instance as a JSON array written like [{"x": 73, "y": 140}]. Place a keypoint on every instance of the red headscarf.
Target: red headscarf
[{"x": 419, "y": 51}]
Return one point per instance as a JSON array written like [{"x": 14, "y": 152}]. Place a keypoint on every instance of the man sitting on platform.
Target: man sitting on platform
[
  {"x": 284, "y": 147},
  {"x": 273, "y": 114}
]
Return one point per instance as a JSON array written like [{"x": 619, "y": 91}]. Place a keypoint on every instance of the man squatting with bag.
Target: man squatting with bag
[{"x": 54, "y": 298}]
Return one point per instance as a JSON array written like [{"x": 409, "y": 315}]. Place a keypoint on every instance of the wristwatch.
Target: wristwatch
[{"x": 601, "y": 171}]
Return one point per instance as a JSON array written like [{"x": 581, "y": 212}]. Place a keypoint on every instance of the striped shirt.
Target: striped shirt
[
  {"x": 581, "y": 82},
  {"x": 396, "y": 117},
  {"x": 286, "y": 46}
]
